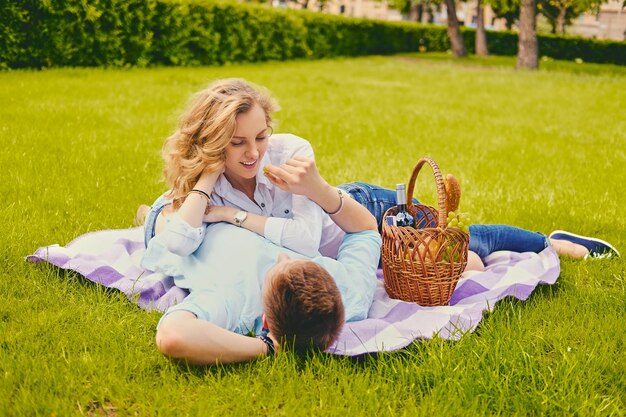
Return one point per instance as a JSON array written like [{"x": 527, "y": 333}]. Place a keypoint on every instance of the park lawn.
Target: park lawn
[{"x": 543, "y": 150}]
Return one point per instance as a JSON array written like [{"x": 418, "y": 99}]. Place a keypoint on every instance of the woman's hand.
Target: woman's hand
[
  {"x": 299, "y": 175},
  {"x": 219, "y": 214},
  {"x": 208, "y": 179},
  {"x": 192, "y": 209}
]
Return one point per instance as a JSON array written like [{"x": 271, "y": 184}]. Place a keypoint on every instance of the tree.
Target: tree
[
  {"x": 506, "y": 9},
  {"x": 416, "y": 10},
  {"x": 454, "y": 31},
  {"x": 481, "y": 35},
  {"x": 527, "y": 51},
  {"x": 560, "y": 13}
]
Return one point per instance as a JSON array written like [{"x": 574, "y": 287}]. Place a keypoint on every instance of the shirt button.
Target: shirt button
[
  {"x": 262, "y": 204},
  {"x": 287, "y": 211}
]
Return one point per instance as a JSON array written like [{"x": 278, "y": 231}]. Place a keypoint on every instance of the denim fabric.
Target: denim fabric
[
  {"x": 150, "y": 222},
  {"x": 484, "y": 238},
  {"x": 374, "y": 198},
  {"x": 489, "y": 238}
]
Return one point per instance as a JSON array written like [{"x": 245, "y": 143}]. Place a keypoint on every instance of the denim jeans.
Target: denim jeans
[
  {"x": 484, "y": 238},
  {"x": 150, "y": 223}
]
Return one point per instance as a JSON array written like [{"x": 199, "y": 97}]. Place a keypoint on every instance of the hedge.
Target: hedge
[
  {"x": 557, "y": 47},
  {"x": 46, "y": 33}
]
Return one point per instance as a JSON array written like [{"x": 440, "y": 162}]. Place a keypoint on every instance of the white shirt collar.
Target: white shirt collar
[{"x": 260, "y": 176}]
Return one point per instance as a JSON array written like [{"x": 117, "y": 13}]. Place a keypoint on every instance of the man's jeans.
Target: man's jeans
[{"x": 484, "y": 238}]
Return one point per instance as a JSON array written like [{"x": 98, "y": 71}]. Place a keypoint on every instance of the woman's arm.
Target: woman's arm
[
  {"x": 193, "y": 208},
  {"x": 299, "y": 175},
  {"x": 183, "y": 336},
  {"x": 302, "y": 231},
  {"x": 183, "y": 232}
]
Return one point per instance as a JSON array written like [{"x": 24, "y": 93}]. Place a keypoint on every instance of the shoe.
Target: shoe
[
  {"x": 140, "y": 216},
  {"x": 597, "y": 248}
]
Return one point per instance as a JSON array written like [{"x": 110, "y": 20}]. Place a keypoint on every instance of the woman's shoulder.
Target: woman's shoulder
[
  {"x": 284, "y": 146},
  {"x": 288, "y": 141}
]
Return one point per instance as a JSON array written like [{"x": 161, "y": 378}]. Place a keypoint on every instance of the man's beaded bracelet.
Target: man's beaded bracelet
[{"x": 268, "y": 342}]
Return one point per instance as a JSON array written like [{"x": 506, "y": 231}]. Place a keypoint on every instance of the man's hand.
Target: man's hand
[{"x": 276, "y": 343}]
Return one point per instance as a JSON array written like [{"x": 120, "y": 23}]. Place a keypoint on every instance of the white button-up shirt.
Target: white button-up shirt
[{"x": 293, "y": 221}]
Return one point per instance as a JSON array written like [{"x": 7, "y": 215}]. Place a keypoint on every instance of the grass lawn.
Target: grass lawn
[{"x": 544, "y": 150}]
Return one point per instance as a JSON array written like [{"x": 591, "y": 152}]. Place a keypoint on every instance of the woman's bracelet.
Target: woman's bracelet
[
  {"x": 268, "y": 342},
  {"x": 205, "y": 195},
  {"x": 340, "y": 204},
  {"x": 202, "y": 193}
]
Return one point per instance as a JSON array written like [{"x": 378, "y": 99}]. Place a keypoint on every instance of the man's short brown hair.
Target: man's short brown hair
[{"x": 303, "y": 307}]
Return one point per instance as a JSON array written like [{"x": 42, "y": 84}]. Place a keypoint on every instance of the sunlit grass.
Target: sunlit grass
[{"x": 544, "y": 150}]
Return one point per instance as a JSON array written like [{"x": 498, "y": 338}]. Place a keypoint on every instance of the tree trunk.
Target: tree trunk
[
  {"x": 414, "y": 12},
  {"x": 454, "y": 31},
  {"x": 427, "y": 16},
  {"x": 527, "y": 53},
  {"x": 560, "y": 21},
  {"x": 481, "y": 35},
  {"x": 420, "y": 12}
]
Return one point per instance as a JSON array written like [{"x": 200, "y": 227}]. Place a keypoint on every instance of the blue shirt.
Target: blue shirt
[{"x": 225, "y": 275}]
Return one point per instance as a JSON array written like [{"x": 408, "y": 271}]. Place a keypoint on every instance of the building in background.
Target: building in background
[
  {"x": 608, "y": 23},
  {"x": 371, "y": 9}
]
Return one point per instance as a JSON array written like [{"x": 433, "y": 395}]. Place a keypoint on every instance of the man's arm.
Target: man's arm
[
  {"x": 183, "y": 336},
  {"x": 354, "y": 272},
  {"x": 299, "y": 175}
]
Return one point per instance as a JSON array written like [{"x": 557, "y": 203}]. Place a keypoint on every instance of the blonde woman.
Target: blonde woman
[
  {"x": 216, "y": 159},
  {"x": 223, "y": 164}
]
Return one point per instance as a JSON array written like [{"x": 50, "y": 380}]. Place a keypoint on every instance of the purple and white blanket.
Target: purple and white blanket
[{"x": 111, "y": 258}]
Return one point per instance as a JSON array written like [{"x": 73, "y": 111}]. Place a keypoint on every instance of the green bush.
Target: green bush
[
  {"x": 45, "y": 33},
  {"x": 570, "y": 48},
  {"x": 40, "y": 33}
]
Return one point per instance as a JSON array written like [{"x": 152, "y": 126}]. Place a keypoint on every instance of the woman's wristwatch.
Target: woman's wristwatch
[{"x": 240, "y": 217}]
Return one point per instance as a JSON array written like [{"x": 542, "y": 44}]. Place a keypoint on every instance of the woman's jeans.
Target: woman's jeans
[
  {"x": 484, "y": 238},
  {"x": 149, "y": 224}
]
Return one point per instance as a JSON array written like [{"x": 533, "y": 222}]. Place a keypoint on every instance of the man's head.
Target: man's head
[{"x": 303, "y": 306}]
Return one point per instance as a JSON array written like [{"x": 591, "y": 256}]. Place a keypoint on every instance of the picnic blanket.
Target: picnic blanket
[{"x": 112, "y": 257}]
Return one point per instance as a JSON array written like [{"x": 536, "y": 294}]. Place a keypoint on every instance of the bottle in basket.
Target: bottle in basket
[{"x": 403, "y": 218}]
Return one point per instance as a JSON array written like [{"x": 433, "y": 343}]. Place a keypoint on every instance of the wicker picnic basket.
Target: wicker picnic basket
[{"x": 423, "y": 264}]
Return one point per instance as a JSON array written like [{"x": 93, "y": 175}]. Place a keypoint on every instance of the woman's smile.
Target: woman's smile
[{"x": 250, "y": 164}]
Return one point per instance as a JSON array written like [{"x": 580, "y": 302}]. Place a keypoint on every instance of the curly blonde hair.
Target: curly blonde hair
[{"x": 205, "y": 131}]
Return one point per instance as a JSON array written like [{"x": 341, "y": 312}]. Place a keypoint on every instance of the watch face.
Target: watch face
[{"x": 240, "y": 216}]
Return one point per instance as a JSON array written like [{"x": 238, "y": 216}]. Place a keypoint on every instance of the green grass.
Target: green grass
[
  {"x": 543, "y": 150},
  {"x": 506, "y": 62}
]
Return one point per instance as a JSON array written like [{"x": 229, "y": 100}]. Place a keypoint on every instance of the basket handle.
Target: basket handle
[{"x": 441, "y": 191}]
